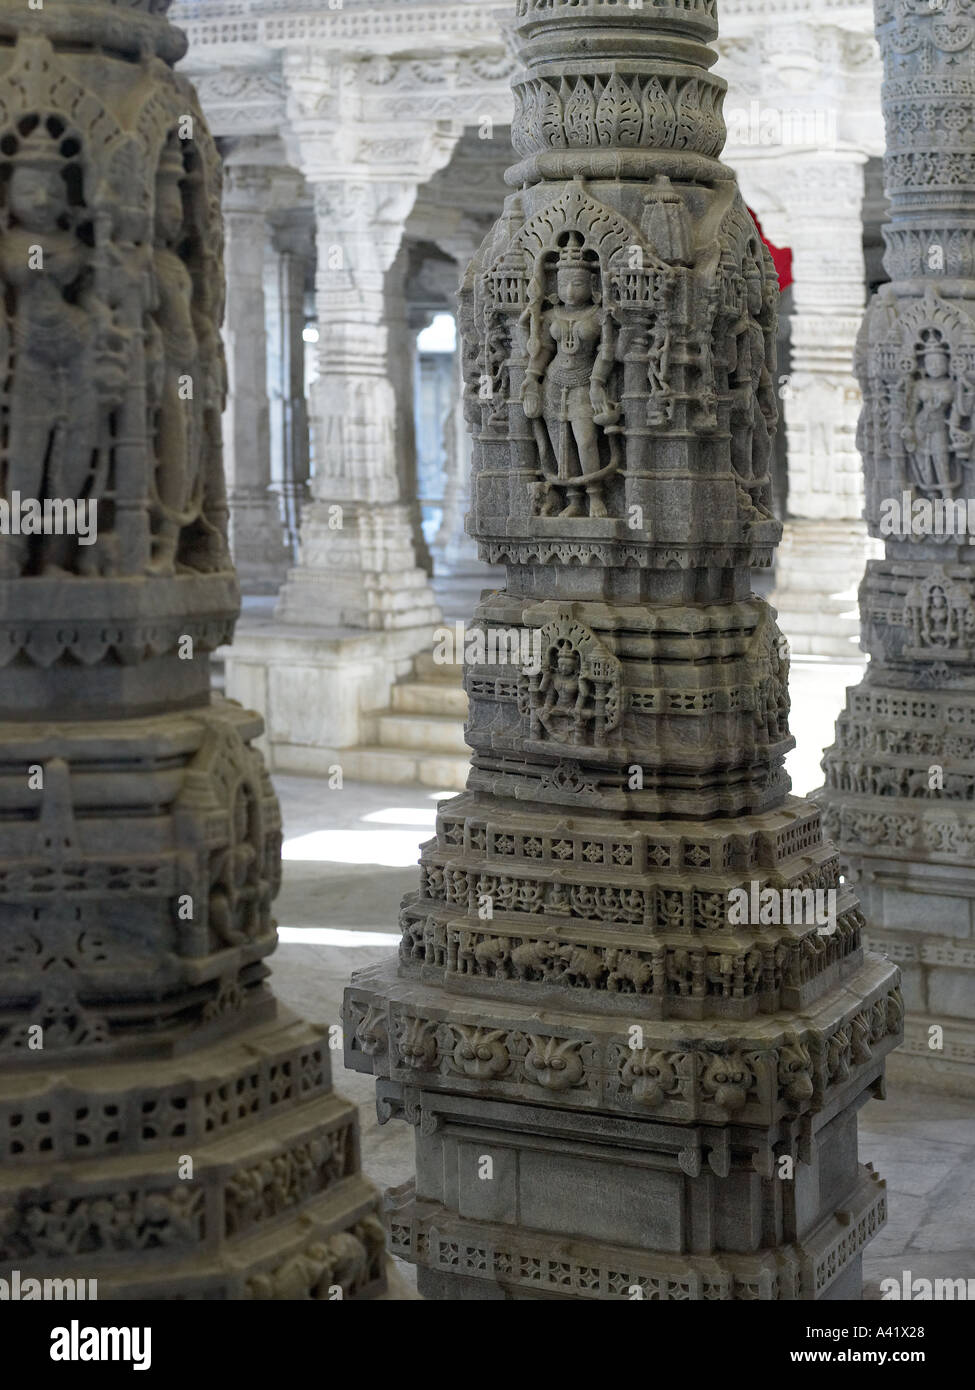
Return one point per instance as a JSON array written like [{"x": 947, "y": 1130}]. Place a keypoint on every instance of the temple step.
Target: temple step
[
  {"x": 431, "y": 697},
  {"x": 402, "y": 766}
]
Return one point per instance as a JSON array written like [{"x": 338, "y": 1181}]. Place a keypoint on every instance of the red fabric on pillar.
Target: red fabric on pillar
[{"x": 781, "y": 255}]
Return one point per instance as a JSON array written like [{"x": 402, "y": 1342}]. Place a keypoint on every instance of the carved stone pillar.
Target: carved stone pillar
[
  {"x": 256, "y": 536},
  {"x": 167, "y": 1128},
  {"x": 824, "y": 545},
  {"x": 457, "y": 550},
  {"x": 590, "y": 1008},
  {"x": 358, "y": 565},
  {"x": 900, "y": 779},
  {"x": 405, "y": 323},
  {"x": 292, "y": 250}
]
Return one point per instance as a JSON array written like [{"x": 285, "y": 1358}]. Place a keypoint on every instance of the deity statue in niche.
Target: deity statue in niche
[
  {"x": 574, "y": 696},
  {"x": 174, "y": 371},
  {"x": 660, "y": 406},
  {"x": 566, "y": 703},
  {"x": 203, "y": 545},
  {"x": 571, "y": 351},
  {"x": 936, "y": 626},
  {"x": 940, "y": 615},
  {"x": 753, "y": 410},
  {"x": 238, "y": 894},
  {"x": 932, "y": 432},
  {"x": 61, "y": 355}
]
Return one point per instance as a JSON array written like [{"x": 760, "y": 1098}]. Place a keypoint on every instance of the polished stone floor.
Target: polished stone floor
[{"x": 350, "y": 854}]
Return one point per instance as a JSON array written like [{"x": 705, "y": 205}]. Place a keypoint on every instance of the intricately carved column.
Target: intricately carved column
[
  {"x": 607, "y": 1048},
  {"x": 357, "y": 563},
  {"x": 256, "y": 536},
  {"x": 824, "y": 545},
  {"x": 292, "y": 250},
  {"x": 167, "y": 1128},
  {"x": 900, "y": 779}
]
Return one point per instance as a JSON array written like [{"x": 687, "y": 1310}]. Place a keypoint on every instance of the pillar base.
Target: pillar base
[
  {"x": 819, "y": 566},
  {"x": 176, "y": 1134},
  {"x": 141, "y": 1230},
  {"x": 257, "y": 541},
  {"x": 594, "y": 1190},
  {"x": 921, "y": 916},
  {"x": 358, "y": 570},
  {"x": 472, "y": 1261},
  {"x": 896, "y": 802},
  {"x": 319, "y": 690}
]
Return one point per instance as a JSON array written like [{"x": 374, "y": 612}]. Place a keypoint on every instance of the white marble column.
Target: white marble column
[
  {"x": 256, "y": 534},
  {"x": 405, "y": 323},
  {"x": 292, "y": 249},
  {"x": 358, "y": 566},
  {"x": 825, "y": 545},
  {"x": 456, "y": 549},
  {"x": 456, "y": 552}
]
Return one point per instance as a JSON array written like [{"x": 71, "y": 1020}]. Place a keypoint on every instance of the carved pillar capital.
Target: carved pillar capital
[{"x": 246, "y": 190}]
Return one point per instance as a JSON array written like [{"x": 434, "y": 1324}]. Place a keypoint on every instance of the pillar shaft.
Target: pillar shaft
[
  {"x": 358, "y": 564},
  {"x": 825, "y": 544},
  {"x": 458, "y": 551},
  {"x": 292, "y": 250},
  {"x": 604, "y": 1043},
  {"x": 900, "y": 777},
  {"x": 821, "y": 398},
  {"x": 256, "y": 536}
]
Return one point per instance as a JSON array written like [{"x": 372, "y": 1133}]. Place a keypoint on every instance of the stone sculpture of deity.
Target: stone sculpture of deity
[
  {"x": 566, "y": 697},
  {"x": 940, "y": 615},
  {"x": 571, "y": 351},
  {"x": 751, "y": 440},
  {"x": 932, "y": 431},
  {"x": 57, "y": 340},
  {"x": 175, "y": 378},
  {"x": 936, "y": 619}
]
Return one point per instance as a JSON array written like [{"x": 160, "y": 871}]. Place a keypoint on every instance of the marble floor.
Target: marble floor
[{"x": 350, "y": 855}]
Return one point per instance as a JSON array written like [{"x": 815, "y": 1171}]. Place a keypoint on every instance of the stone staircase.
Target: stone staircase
[{"x": 420, "y": 738}]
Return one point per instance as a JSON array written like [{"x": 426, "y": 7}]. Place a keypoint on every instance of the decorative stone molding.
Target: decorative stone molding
[{"x": 240, "y": 102}]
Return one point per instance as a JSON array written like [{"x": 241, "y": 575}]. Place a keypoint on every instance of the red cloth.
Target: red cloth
[{"x": 781, "y": 255}]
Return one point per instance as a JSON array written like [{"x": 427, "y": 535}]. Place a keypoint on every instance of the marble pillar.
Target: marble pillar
[
  {"x": 632, "y": 1051},
  {"x": 900, "y": 778},
  {"x": 292, "y": 252},
  {"x": 824, "y": 545},
  {"x": 357, "y": 607},
  {"x": 167, "y": 1129},
  {"x": 406, "y": 322},
  {"x": 256, "y": 535},
  {"x": 358, "y": 566},
  {"x": 455, "y": 548}
]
